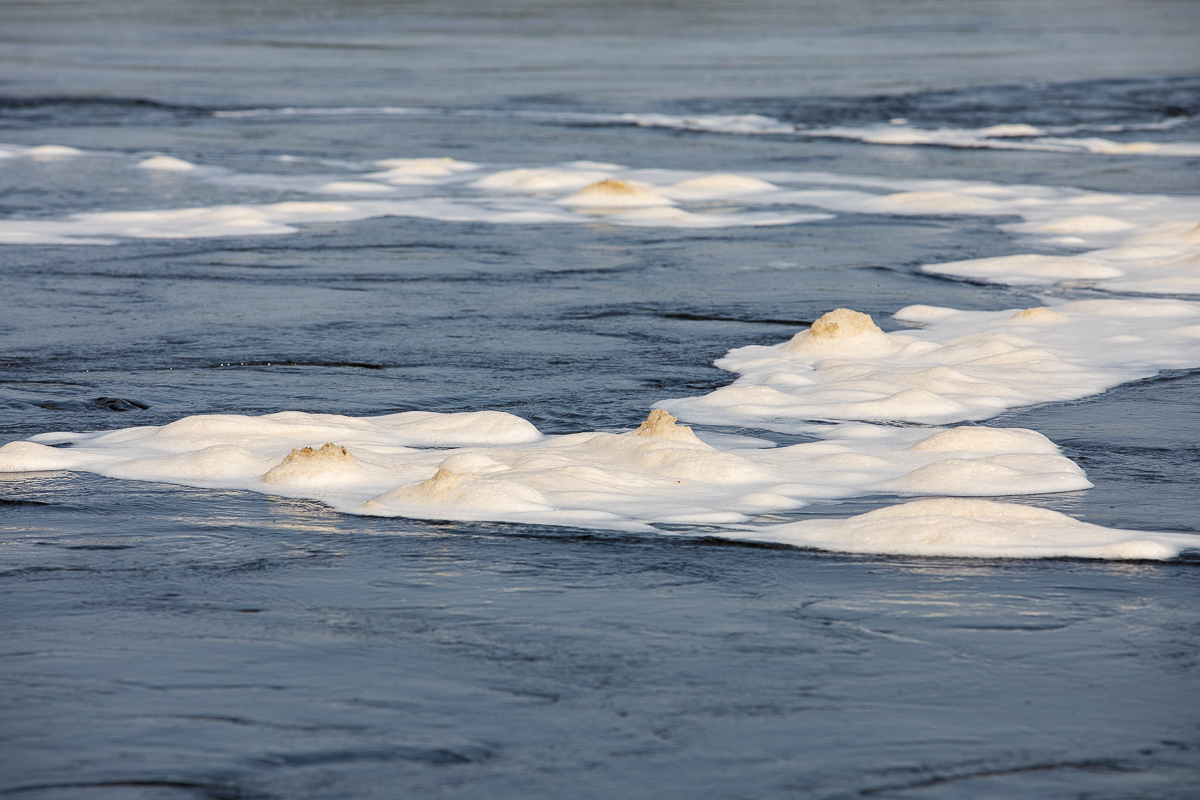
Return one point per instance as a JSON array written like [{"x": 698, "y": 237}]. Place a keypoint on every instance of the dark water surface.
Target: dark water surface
[{"x": 162, "y": 642}]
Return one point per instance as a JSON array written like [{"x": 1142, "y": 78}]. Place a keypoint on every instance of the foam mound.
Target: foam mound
[
  {"x": 963, "y": 365},
  {"x": 973, "y": 528},
  {"x": 661, "y": 425},
  {"x": 500, "y": 468},
  {"x": 612, "y": 193},
  {"x": 540, "y": 180},
  {"x": 167, "y": 164},
  {"x": 721, "y": 185},
  {"x": 304, "y": 464}
]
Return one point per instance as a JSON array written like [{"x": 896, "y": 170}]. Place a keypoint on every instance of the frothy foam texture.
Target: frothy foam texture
[
  {"x": 500, "y": 467},
  {"x": 963, "y": 365},
  {"x": 1013, "y": 136},
  {"x": 972, "y": 528},
  {"x": 611, "y": 193},
  {"x": 1155, "y": 259},
  {"x": 167, "y": 164},
  {"x": 1141, "y": 243},
  {"x": 433, "y": 188},
  {"x": 40, "y": 152}
]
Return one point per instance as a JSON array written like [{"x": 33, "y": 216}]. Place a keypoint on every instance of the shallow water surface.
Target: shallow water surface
[{"x": 172, "y": 641}]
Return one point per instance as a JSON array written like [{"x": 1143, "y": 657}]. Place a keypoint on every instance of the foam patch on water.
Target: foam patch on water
[
  {"x": 612, "y": 193},
  {"x": 1149, "y": 244},
  {"x": 167, "y": 164},
  {"x": 1161, "y": 258},
  {"x": 40, "y": 152},
  {"x": 1012, "y": 136},
  {"x": 1138, "y": 243},
  {"x": 1003, "y": 137},
  {"x": 963, "y": 365},
  {"x": 438, "y": 188},
  {"x": 972, "y": 528},
  {"x": 1006, "y": 136},
  {"x": 495, "y": 466}
]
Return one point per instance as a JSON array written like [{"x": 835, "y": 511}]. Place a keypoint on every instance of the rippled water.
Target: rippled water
[{"x": 163, "y": 641}]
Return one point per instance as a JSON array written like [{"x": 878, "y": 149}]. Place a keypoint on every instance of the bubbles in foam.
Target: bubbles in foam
[
  {"x": 973, "y": 528},
  {"x": 962, "y": 365},
  {"x": 167, "y": 164},
  {"x": 501, "y": 468},
  {"x": 611, "y": 193},
  {"x": 541, "y": 180}
]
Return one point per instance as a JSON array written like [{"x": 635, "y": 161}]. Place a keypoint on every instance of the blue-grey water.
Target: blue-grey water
[{"x": 163, "y": 642}]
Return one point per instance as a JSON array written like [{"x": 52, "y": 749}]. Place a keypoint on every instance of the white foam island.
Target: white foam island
[
  {"x": 167, "y": 164},
  {"x": 1138, "y": 243},
  {"x": 419, "y": 171},
  {"x": 1154, "y": 259},
  {"x": 962, "y": 365},
  {"x": 612, "y": 193},
  {"x": 495, "y": 466},
  {"x": 1010, "y": 136},
  {"x": 973, "y": 528}
]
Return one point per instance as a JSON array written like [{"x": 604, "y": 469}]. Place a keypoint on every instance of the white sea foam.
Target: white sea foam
[
  {"x": 167, "y": 164},
  {"x": 610, "y": 193},
  {"x": 1002, "y": 137},
  {"x": 420, "y": 170},
  {"x": 714, "y": 123},
  {"x": 972, "y": 528},
  {"x": 963, "y": 365},
  {"x": 500, "y": 468},
  {"x": 547, "y": 179},
  {"x": 1011, "y": 136},
  {"x": 40, "y": 152},
  {"x": 1138, "y": 243},
  {"x": 1161, "y": 258},
  {"x": 1148, "y": 244}
]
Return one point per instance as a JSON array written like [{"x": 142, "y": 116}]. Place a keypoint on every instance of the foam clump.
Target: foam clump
[
  {"x": 49, "y": 152},
  {"x": 1039, "y": 314},
  {"x": 963, "y": 365},
  {"x": 1086, "y": 223},
  {"x": 354, "y": 187},
  {"x": 716, "y": 186},
  {"x": 943, "y": 201},
  {"x": 612, "y": 193},
  {"x": 542, "y": 180},
  {"x": 307, "y": 464},
  {"x": 167, "y": 164},
  {"x": 974, "y": 528},
  {"x": 426, "y": 167},
  {"x": 1010, "y": 129},
  {"x": 980, "y": 439},
  {"x": 33, "y": 457},
  {"x": 661, "y": 425},
  {"x": 1028, "y": 269},
  {"x": 499, "y": 467},
  {"x": 842, "y": 331}
]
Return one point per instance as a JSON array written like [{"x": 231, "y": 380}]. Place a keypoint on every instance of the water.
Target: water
[{"x": 165, "y": 641}]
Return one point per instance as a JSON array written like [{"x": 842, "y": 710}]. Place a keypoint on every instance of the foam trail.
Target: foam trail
[
  {"x": 1003, "y": 137},
  {"x": 1010, "y": 136},
  {"x": 1138, "y": 243},
  {"x": 994, "y": 137},
  {"x": 963, "y": 365},
  {"x": 1154, "y": 259},
  {"x": 501, "y": 468},
  {"x": 1148, "y": 244},
  {"x": 40, "y": 152},
  {"x": 972, "y": 528}
]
